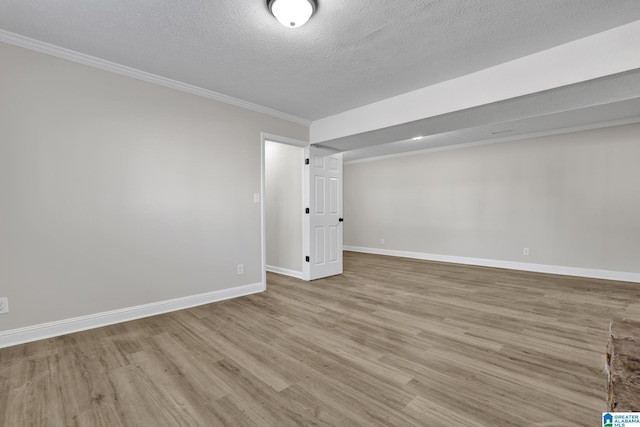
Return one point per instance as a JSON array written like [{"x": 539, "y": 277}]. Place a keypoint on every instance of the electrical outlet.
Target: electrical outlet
[
  {"x": 525, "y": 251},
  {"x": 4, "y": 305},
  {"x": 382, "y": 241},
  {"x": 240, "y": 269}
]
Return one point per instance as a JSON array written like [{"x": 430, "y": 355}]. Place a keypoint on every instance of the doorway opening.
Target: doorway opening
[
  {"x": 301, "y": 210},
  {"x": 282, "y": 216},
  {"x": 283, "y": 204}
]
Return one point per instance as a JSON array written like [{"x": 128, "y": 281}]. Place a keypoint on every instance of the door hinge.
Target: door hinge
[
  {"x": 307, "y": 259},
  {"x": 306, "y": 210},
  {"x": 306, "y": 161}
]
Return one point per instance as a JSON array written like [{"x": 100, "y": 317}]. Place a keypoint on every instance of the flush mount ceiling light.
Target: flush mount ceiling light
[{"x": 292, "y": 13}]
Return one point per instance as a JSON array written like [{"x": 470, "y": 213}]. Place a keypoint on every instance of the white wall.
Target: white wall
[
  {"x": 573, "y": 199},
  {"x": 283, "y": 205},
  {"x": 115, "y": 192}
]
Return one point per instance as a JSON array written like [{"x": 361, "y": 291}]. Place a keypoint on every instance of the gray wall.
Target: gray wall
[
  {"x": 283, "y": 205},
  {"x": 573, "y": 199},
  {"x": 115, "y": 192}
]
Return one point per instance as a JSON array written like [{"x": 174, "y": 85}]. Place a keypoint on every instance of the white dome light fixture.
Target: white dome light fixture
[{"x": 292, "y": 13}]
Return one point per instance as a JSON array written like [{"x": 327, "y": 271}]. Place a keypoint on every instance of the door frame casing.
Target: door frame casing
[{"x": 296, "y": 143}]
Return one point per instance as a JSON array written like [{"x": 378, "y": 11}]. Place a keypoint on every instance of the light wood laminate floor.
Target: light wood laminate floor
[{"x": 393, "y": 341}]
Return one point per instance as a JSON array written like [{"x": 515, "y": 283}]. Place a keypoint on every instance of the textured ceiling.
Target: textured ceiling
[
  {"x": 616, "y": 113},
  {"x": 498, "y": 115},
  {"x": 350, "y": 54},
  {"x": 601, "y": 102}
]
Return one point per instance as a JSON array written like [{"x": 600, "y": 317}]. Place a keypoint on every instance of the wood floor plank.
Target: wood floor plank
[{"x": 392, "y": 342}]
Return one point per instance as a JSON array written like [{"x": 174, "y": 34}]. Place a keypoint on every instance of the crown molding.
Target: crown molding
[{"x": 92, "y": 61}]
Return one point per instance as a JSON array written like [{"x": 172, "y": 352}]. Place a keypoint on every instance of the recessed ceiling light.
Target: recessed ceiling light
[
  {"x": 417, "y": 138},
  {"x": 292, "y": 13}
]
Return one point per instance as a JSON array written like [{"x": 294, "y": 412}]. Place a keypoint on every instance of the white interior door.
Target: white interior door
[{"x": 323, "y": 225}]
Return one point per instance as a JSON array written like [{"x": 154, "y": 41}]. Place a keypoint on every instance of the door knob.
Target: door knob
[{"x": 341, "y": 219}]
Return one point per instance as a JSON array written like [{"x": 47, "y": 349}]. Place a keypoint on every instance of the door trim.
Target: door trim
[{"x": 263, "y": 238}]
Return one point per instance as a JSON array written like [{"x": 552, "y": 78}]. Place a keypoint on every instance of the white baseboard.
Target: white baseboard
[
  {"x": 82, "y": 323},
  {"x": 286, "y": 272},
  {"x": 511, "y": 265}
]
